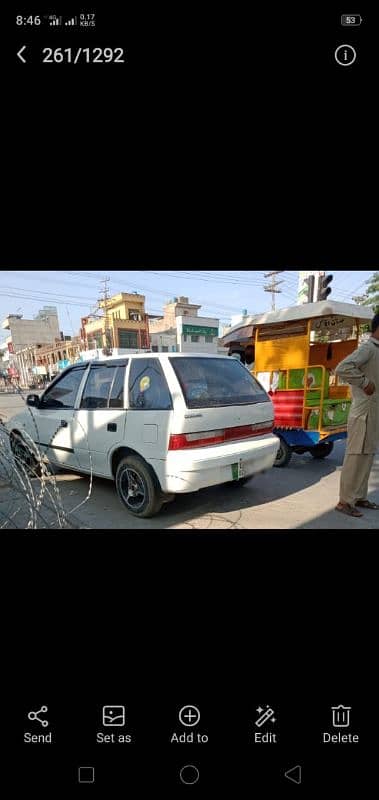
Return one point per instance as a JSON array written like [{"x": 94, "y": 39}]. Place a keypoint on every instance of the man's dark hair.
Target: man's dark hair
[{"x": 375, "y": 323}]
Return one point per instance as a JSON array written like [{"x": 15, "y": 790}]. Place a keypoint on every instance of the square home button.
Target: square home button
[{"x": 86, "y": 775}]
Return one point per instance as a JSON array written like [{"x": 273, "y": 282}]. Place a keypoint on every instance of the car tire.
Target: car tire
[
  {"x": 22, "y": 452},
  {"x": 137, "y": 487},
  {"x": 284, "y": 454},
  {"x": 322, "y": 450}
]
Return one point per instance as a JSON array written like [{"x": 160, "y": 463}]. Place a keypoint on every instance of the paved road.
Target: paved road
[{"x": 300, "y": 496}]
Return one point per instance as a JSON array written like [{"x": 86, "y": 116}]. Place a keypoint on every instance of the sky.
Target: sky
[{"x": 221, "y": 293}]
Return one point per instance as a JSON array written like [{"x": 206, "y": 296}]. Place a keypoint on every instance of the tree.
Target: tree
[{"x": 371, "y": 296}]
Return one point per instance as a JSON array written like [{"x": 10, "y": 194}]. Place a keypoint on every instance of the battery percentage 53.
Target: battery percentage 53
[{"x": 351, "y": 20}]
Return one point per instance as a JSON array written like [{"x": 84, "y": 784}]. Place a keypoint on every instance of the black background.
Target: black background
[{"x": 227, "y": 138}]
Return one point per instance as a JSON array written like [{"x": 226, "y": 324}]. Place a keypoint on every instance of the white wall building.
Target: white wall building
[
  {"x": 197, "y": 334},
  {"x": 165, "y": 342},
  {"x": 181, "y": 330}
]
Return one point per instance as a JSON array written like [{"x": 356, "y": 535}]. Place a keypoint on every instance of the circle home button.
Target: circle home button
[{"x": 189, "y": 774}]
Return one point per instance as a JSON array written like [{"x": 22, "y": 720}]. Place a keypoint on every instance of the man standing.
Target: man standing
[
  {"x": 361, "y": 370},
  {"x": 249, "y": 357}
]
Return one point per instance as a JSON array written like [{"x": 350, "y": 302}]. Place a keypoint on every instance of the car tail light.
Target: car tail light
[{"x": 181, "y": 441}]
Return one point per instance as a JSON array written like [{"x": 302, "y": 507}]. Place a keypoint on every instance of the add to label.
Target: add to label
[{"x": 189, "y": 738}]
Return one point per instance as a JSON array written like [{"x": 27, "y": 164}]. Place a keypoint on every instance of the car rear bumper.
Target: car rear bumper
[{"x": 197, "y": 468}]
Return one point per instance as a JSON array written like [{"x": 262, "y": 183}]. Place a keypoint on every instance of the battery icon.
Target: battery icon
[{"x": 351, "y": 20}]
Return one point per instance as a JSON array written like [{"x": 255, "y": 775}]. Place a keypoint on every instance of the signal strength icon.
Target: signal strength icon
[
  {"x": 54, "y": 20},
  {"x": 71, "y": 21}
]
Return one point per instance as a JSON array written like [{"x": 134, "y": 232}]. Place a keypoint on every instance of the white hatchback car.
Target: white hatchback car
[{"x": 157, "y": 424}]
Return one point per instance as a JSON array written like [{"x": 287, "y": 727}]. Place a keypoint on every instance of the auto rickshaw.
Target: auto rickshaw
[{"x": 296, "y": 351}]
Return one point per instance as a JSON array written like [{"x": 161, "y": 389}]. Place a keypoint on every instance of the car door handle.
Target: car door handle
[
  {"x": 112, "y": 427},
  {"x": 63, "y": 423}
]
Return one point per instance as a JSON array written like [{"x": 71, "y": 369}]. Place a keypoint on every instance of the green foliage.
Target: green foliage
[{"x": 372, "y": 294}]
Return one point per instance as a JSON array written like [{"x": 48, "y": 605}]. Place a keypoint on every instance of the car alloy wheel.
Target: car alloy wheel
[
  {"x": 133, "y": 489},
  {"x": 138, "y": 487}
]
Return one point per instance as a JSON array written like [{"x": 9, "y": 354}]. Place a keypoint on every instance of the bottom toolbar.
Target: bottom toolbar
[{"x": 209, "y": 743}]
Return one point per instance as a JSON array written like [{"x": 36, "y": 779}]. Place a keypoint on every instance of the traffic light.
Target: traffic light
[{"x": 324, "y": 289}]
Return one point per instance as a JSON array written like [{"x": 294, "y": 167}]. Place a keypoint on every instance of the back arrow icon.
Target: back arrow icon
[
  {"x": 294, "y": 774},
  {"x": 19, "y": 54}
]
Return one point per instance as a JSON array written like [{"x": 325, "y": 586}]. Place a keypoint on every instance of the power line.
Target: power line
[
  {"x": 56, "y": 297},
  {"x": 42, "y": 299},
  {"x": 40, "y": 291}
]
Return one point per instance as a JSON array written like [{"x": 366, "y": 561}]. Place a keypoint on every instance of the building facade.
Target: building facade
[
  {"x": 39, "y": 363},
  {"x": 181, "y": 330},
  {"x": 124, "y": 324},
  {"x": 197, "y": 334},
  {"x": 165, "y": 342},
  {"x": 178, "y": 306},
  {"x": 43, "y": 329},
  {"x": 26, "y": 333}
]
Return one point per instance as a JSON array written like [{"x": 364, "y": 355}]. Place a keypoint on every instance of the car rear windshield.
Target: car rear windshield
[{"x": 213, "y": 382}]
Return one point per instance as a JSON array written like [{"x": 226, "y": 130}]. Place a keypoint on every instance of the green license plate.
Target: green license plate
[{"x": 235, "y": 472}]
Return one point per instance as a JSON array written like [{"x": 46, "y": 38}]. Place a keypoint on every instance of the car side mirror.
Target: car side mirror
[{"x": 32, "y": 400}]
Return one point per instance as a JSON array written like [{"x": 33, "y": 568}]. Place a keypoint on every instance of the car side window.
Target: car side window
[
  {"x": 148, "y": 389},
  {"x": 104, "y": 387},
  {"x": 64, "y": 391},
  {"x": 116, "y": 398},
  {"x": 98, "y": 386}
]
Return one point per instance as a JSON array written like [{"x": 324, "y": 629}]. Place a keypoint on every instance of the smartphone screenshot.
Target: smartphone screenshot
[{"x": 189, "y": 384}]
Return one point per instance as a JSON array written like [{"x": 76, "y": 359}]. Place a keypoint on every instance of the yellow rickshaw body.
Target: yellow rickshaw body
[{"x": 296, "y": 352}]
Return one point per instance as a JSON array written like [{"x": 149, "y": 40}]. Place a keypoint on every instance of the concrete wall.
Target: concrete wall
[
  {"x": 161, "y": 340},
  {"x": 26, "y": 332}
]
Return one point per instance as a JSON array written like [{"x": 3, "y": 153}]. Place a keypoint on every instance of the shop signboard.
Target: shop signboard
[{"x": 202, "y": 330}]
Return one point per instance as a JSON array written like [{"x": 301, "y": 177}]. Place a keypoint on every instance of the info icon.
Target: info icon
[{"x": 345, "y": 55}]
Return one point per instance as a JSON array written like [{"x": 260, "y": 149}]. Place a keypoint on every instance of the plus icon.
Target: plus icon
[{"x": 189, "y": 716}]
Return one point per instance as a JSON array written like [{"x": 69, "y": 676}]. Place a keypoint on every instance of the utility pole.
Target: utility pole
[
  {"x": 272, "y": 287},
  {"x": 107, "y": 349}
]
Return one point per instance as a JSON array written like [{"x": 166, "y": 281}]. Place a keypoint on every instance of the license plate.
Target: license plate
[{"x": 238, "y": 471}]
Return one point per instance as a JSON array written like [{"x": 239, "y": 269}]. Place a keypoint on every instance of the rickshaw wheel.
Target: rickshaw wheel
[
  {"x": 322, "y": 450},
  {"x": 284, "y": 454}
]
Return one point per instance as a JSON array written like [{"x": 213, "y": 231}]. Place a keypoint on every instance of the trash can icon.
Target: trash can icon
[{"x": 341, "y": 716}]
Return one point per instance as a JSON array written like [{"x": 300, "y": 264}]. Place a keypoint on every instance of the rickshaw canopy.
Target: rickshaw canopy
[
  {"x": 305, "y": 311},
  {"x": 325, "y": 308}
]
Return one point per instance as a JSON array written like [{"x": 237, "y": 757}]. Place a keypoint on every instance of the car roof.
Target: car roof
[
  {"x": 164, "y": 356},
  {"x": 122, "y": 361}
]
